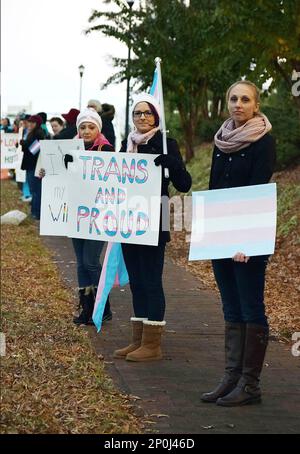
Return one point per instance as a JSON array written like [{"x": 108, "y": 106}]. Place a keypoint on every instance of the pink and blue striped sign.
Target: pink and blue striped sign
[
  {"x": 227, "y": 221},
  {"x": 34, "y": 147}
]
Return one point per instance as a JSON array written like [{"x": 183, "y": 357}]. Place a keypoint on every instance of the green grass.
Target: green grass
[
  {"x": 288, "y": 198},
  {"x": 199, "y": 168}
]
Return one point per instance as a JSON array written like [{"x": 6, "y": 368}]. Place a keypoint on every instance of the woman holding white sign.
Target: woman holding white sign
[
  {"x": 244, "y": 155},
  {"x": 145, "y": 263},
  {"x": 88, "y": 252}
]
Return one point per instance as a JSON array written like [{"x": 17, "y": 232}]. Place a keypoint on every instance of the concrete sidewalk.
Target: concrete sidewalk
[{"x": 169, "y": 391}]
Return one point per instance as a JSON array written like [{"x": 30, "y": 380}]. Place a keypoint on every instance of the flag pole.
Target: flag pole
[{"x": 162, "y": 113}]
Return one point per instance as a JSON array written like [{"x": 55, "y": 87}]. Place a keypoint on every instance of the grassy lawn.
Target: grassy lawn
[{"x": 51, "y": 379}]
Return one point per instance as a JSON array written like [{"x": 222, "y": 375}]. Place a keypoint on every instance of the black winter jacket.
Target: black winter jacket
[
  {"x": 181, "y": 179},
  {"x": 249, "y": 166},
  {"x": 69, "y": 132},
  {"x": 29, "y": 160}
]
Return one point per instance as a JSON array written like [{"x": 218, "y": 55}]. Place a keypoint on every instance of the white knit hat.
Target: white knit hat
[
  {"x": 146, "y": 97},
  {"x": 90, "y": 115}
]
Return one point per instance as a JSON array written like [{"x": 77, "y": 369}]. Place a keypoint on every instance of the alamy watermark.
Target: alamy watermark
[
  {"x": 296, "y": 85},
  {"x": 295, "y": 350}
]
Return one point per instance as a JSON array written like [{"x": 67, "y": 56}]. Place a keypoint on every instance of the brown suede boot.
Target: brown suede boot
[
  {"x": 137, "y": 331},
  {"x": 150, "y": 350}
]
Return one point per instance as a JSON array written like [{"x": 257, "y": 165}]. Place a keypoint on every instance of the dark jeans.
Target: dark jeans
[
  {"x": 35, "y": 186},
  {"x": 145, "y": 268},
  {"x": 241, "y": 286},
  {"x": 88, "y": 261}
]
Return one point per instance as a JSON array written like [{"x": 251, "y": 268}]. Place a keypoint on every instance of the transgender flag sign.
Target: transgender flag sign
[{"x": 227, "y": 221}]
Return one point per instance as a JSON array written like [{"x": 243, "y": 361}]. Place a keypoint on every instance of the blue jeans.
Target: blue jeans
[
  {"x": 35, "y": 186},
  {"x": 145, "y": 268},
  {"x": 88, "y": 261},
  {"x": 241, "y": 286}
]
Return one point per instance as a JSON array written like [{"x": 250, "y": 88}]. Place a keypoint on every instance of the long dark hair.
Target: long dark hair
[
  {"x": 154, "y": 111},
  {"x": 36, "y": 133}
]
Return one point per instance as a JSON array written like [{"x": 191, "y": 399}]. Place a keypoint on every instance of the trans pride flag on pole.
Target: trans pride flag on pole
[
  {"x": 113, "y": 274},
  {"x": 156, "y": 90},
  {"x": 154, "y": 86}
]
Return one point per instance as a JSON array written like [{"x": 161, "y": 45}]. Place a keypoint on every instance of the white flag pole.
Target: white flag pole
[{"x": 162, "y": 113}]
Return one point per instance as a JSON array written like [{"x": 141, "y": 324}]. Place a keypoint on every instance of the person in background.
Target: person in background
[
  {"x": 5, "y": 125},
  {"x": 26, "y": 195},
  {"x": 16, "y": 126},
  {"x": 244, "y": 155},
  {"x": 107, "y": 116},
  {"x": 88, "y": 252},
  {"x": 70, "y": 130},
  {"x": 57, "y": 126},
  {"x": 145, "y": 263},
  {"x": 107, "y": 113},
  {"x": 24, "y": 118},
  {"x": 31, "y": 150},
  {"x": 43, "y": 115}
]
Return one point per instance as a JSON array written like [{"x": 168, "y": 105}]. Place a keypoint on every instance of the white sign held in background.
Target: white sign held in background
[
  {"x": 11, "y": 156},
  {"x": 54, "y": 206}
]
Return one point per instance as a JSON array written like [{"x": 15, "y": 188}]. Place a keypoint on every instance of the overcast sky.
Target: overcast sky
[{"x": 42, "y": 46}]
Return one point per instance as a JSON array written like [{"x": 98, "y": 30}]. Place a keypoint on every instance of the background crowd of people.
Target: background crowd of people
[{"x": 38, "y": 127}]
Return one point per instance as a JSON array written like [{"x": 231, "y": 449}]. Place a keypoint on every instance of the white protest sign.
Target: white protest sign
[
  {"x": 54, "y": 205},
  {"x": 227, "y": 221},
  {"x": 114, "y": 197},
  {"x": 51, "y": 157},
  {"x": 10, "y": 153},
  {"x": 38, "y": 166},
  {"x": 20, "y": 176}
]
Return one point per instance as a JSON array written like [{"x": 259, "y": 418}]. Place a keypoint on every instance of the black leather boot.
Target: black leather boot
[
  {"x": 247, "y": 390},
  {"x": 107, "y": 314},
  {"x": 86, "y": 302},
  {"x": 234, "y": 349}
]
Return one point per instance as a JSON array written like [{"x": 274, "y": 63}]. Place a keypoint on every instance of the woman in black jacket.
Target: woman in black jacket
[
  {"x": 244, "y": 154},
  {"x": 31, "y": 150},
  {"x": 145, "y": 263}
]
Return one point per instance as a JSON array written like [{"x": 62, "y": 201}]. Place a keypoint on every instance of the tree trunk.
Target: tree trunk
[
  {"x": 188, "y": 128},
  {"x": 215, "y": 106}
]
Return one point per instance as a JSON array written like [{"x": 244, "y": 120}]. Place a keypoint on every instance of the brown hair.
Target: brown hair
[
  {"x": 58, "y": 120},
  {"x": 255, "y": 89}
]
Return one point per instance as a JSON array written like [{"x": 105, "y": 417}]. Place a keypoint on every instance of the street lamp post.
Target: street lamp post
[
  {"x": 130, "y": 4},
  {"x": 81, "y": 71}
]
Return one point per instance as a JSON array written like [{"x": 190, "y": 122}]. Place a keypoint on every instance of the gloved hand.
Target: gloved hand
[
  {"x": 42, "y": 173},
  {"x": 68, "y": 158},
  {"x": 166, "y": 160}
]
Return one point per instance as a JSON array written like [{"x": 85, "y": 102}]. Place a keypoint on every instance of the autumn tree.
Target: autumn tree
[{"x": 204, "y": 48}]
